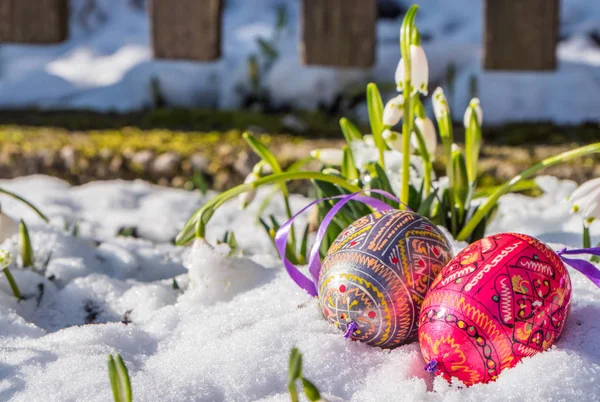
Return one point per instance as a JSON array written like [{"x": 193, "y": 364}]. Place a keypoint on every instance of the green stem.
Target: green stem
[
  {"x": 427, "y": 165},
  {"x": 13, "y": 284},
  {"x": 24, "y": 201},
  {"x": 201, "y": 217},
  {"x": 587, "y": 242},
  {"x": 407, "y": 120},
  {"x": 487, "y": 206}
]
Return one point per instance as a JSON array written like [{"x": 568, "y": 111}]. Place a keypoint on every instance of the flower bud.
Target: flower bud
[
  {"x": 586, "y": 200},
  {"x": 392, "y": 113},
  {"x": 328, "y": 156},
  {"x": 394, "y": 140},
  {"x": 419, "y": 67},
  {"x": 427, "y": 129},
  {"x": 440, "y": 104},
  {"x": 473, "y": 105}
]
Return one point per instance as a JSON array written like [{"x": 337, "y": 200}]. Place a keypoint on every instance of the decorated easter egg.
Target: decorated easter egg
[
  {"x": 502, "y": 298},
  {"x": 376, "y": 274}
]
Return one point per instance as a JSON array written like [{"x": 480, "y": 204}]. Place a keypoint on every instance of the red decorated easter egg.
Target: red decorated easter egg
[
  {"x": 499, "y": 300},
  {"x": 376, "y": 275}
]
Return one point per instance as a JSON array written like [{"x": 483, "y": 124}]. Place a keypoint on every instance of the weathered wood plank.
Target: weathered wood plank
[
  {"x": 521, "y": 34},
  {"x": 186, "y": 29},
  {"x": 34, "y": 21},
  {"x": 338, "y": 32}
]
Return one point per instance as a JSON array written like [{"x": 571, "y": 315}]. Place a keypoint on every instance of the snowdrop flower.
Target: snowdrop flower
[
  {"x": 392, "y": 113},
  {"x": 369, "y": 140},
  {"x": 440, "y": 104},
  {"x": 328, "y": 156},
  {"x": 586, "y": 199},
  {"x": 394, "y": 140},
  {"x": 474, "y": 104},
  {"x": 419, "y": 71},
  {"x": 427, "y": 129},
  {"x": 8, "y": 227},
  {"x": 5, "y": 259}
]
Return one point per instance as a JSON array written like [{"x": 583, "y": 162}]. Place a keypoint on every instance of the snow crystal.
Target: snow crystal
[
  {"x": 212, "y": 324},
  {"x": 106, "y": 64}
]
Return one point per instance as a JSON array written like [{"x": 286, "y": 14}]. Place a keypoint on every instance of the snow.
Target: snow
[
  {"x": 107, "y": 64},
  {"x": 226, "y": 333}
]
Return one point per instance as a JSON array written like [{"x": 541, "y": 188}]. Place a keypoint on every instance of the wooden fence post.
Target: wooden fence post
[
  {"x": 520, "y": 34},
  {"x": 34, "y": 21},
  {"x": 186, "y": 29},
  {"x": 338, "y": 33}
]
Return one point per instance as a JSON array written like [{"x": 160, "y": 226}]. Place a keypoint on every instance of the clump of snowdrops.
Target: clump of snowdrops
[{"x": 449, "y": 201}]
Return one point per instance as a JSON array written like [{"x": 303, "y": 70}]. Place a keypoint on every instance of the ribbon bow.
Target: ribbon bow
[{"x": 314, "y": 262}]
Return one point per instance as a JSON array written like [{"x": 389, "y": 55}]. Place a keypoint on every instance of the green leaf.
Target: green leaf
[
  {"x": 282, "y": 19},
  {"x": 232, "y": 242},
  {"x": 414, "y": 198},
  {"x": 265, "y": 226},
  {"x": 311, "y": 391},
  {"x": 26, "y": 249},
  {"x": 304, "y": 244},
  {"x": 24, "y": 201},
  {"x": 425, "y": 207},
  {"x": 295, "y": 365},
  {"x": 119, "y": 379},
  {"x": 349, "y": 170},
  {"x": 299, "y": 164},
  {"x": 351, "y": 133},
  {"x": 375, "y": 108},
  {"x": 380, "y": 181},
  {"x": 12, "y": 283},
  {"x": 479, "y": 231},
  {"x": 267, "y": 49},
  {"x": 262, "y": 151},
  {"x": 461, "y": 179}
]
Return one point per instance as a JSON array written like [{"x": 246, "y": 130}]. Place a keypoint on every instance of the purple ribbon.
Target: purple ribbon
[
  {"x": 583, "y": 266},
  {"x": 353, "y": 326},
  {"x": 431, "y": 367},
  {"x": 314, "y": 262}
]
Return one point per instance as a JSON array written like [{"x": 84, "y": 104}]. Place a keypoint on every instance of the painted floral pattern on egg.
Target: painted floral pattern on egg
[
  {"x": 376, "y": 275},
  {"x": 502, "y": 298}
]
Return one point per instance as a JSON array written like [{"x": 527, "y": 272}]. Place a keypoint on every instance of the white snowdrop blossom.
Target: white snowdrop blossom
[
  {"x": 440, "y": 104},
  {"x": 5, "y": 259},
  {"x": 427, "y": 129},
  {"x": 369, "y": 140},
  {"x": 247, "y": 197},
  {"x": 328, "y": 156},
  {"x": 394, "y": 140},
  {"x": 8, "y": 227},
  {"x": 392, "y": 113},
  {"x": 419, "y": 67},
  {"x": 586, "y": 200},
  {"x": 474, "y": 104}
]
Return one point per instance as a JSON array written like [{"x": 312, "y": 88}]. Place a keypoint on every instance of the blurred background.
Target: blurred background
[{"x": 161, "y": 90}]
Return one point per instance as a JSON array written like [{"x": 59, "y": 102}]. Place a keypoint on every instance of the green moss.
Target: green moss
[
  {"x": 186, "y": 120},
  {"x": 32, "y": 139}
]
